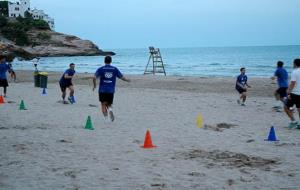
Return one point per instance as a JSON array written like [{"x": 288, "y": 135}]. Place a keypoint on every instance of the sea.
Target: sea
[{"x": 259, "y": 61}]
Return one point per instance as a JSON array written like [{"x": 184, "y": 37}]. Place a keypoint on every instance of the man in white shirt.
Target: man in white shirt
[{"x": 294, "y": 95}]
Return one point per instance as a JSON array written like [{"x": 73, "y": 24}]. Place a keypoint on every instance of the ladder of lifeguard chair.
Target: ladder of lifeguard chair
[{"x": 157, "y": 62}]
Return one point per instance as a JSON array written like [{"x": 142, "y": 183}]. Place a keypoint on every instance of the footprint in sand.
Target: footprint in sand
[
  {"x": 65, "y": 141},
  {"x": 219, "y": 158},
  {"x": 19, "y": 147},
  {"x": 219, "y": 127},
  {"x": 93, "y": 105}
]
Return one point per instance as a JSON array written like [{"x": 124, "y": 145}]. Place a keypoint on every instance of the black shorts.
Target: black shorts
[
  {"x": 282, "y": 92},
  {"x": 3, "y": 83},
  {"x": 240, "y": 90},
  {"x": 106, "y": 97},
  {"x": 64, "y": 86},
  {"x": 294, "y": 99}
]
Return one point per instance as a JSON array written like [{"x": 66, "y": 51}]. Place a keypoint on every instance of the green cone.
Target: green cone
[
  {"x": 22, "y": 106},
  {"x": 89, "y": 124}
]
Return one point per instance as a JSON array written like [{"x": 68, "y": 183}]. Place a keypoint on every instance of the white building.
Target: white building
[
  {"x": 39, "y": 14},
  {"x": 19, "y": 8}
]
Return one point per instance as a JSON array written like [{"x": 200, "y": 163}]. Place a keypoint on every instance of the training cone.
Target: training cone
[
  {"x": 272, "y": 135},
  {"x": 89, "y": 124},
  {"x": 22, "y": 106},
  {"x": 2, "y": 100},
  {"x": 199, "y": 121},
  {"x": 148, "y": 141},
  {"x": 44, "y": 91}
]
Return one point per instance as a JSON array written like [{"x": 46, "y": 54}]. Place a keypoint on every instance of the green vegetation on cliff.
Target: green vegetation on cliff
[
  {"x": 16, "y": 29},
  {"x": 4, "y": 8}
]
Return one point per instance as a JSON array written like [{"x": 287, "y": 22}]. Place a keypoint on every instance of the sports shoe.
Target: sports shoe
[
  {"x": 73, "y": 99},
  {"x": 292, "y": 125},
  {"x": 276, "y": 107},
  {"x": 111, "y": 115},
  {"x": 298, "y": 125},
  {"x": 105, "y": 119},
  {"x": 70, "y": 100},
  {"x": 243, "y": 104}
]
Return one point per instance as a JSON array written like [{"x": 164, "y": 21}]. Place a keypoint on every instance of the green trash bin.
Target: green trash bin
[
  {"x": 37, "y": 79},
  {"x": 43, "y": 79}
]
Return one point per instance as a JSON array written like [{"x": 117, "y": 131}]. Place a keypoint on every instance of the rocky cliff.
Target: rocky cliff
[{"x": 44, "y": 43}]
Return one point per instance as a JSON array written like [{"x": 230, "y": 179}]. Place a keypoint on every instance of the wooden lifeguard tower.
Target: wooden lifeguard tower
[{"x": 157, "y": 62}]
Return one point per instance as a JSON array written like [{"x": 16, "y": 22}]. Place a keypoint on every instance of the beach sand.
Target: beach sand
[{"x": 47, "y": 147}]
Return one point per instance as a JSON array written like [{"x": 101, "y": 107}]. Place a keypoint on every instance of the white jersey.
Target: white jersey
[{"x": 295, "y": 76}]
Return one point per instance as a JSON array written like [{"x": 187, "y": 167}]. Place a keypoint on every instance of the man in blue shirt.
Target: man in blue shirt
[
  {"x": 66, "y": 82},
  {"x": 107, "y": 75},
  {"x": 282, "y": 81},
  {"x": 241, "y": 86},
  {"x": 4, "y": 67}
]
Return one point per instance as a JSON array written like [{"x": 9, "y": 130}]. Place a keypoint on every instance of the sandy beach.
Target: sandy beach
[{"x": 47, "y": 147}]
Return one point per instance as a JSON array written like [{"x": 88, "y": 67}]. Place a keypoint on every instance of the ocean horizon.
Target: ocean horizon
[{"x": 259, "y": 61}]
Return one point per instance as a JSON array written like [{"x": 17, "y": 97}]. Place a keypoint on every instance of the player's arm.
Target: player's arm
[
  {"x": 274, "y": 76},
  {"x": 248, "y": 85},
  {"x": 125, "y": 79},
  {"x": 291, "y": 87},
  {"x": 94, "y": 82},
  {"x": 67, "y": 76},
  {"x": 240, "y": 84}
]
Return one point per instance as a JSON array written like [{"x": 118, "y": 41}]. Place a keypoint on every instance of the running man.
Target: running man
[
  {"x": 282, "y": 81},
  {"x": 4, "y": 67},
  {"x": 107, "y": 75},
  {"x": 66, "y": 82},
  {"x": 241, "y": 86},
  {"x": 294, "y": 95}
]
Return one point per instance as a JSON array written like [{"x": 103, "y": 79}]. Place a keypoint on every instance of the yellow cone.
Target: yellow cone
[{"x": 199, "y": 121}]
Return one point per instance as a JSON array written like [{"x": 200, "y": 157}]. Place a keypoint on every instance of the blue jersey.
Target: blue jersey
[
  {"x": 242, "y": 79},
  {"x": 3, "y": 69},
  {"x": 107, "y": 75},
  {"x": 63, "y": 80},
  {"x": 282, "y": 77}
]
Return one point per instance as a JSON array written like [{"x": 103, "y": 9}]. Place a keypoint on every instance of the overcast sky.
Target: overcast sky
[{"x": 177, "y": 23}]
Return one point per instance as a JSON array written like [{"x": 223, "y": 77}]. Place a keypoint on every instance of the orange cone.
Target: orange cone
[
  {"x": 148, "y": 141},
  {"x": 1, "y": 100}
]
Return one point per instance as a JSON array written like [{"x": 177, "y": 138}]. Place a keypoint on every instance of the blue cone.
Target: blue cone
[
  {"x": 272, "y": 135},
  {"x": 44, "y": 91}
]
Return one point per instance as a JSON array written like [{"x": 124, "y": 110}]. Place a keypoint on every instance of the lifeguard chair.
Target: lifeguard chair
[{"x": 157, "y": 62}]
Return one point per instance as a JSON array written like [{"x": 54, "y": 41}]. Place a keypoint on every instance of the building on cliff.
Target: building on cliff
[{"x": 18, "y": 8}]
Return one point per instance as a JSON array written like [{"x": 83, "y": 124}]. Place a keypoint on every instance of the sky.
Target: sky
[{"x": 115, "y": 24}]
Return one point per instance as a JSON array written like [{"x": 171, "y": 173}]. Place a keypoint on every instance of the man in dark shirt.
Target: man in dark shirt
[
  {"x": 66, "y": 82},
  {"x": 4, "y": 67},
  {"x": 282, "y": 81},
  {"x": 107, "y": 75},
  {"x": 241, "y": 86}
]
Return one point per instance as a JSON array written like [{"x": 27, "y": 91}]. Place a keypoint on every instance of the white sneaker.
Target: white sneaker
[
  {"x": 292, "y": 125},
  {"x": 105, "y": 119},
  {"x": 111, "y": 114}
]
